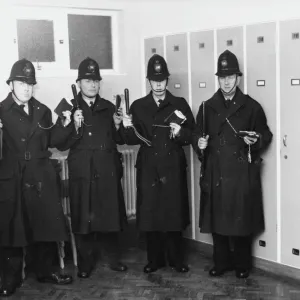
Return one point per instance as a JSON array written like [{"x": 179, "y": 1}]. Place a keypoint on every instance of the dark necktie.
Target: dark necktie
[
  {"x": 91, "y": 105},
  {"x": 22, "y": 107},
  {"x": 160, "y": 102},
  {"x": 227, "y": 102}
]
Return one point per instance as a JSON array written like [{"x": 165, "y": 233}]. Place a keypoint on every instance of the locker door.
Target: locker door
[
  {"x": 290, "y": 141},
  {"x": 153, "y": 45},
  {"x": 232, "y": 39},
  {"x": 261, "y": 83},
  {"x": 177, "y": 59},
  {"x": 203, "y": 87}
]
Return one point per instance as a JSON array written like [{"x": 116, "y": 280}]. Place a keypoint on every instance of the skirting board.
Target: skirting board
[{"x": 274, "y": 269}]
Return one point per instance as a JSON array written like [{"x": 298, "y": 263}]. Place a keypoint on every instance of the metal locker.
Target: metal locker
[
  {"x": 261, "y": 84},
  {"x": 232, "y": 39},
  {"x": 289, "y": 141},
  {"x": 152, "y": 46},
  {"x": 177, "y": 60},
  {"x": 203, "y": 87}
]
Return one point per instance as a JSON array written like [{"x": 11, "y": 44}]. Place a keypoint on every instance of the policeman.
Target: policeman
[
  {"x": 231, "y": 133},
  {"x": 91, "y": 134},
  {"x": 162, "y": 194},
  {"x": 30, "y": 207}
]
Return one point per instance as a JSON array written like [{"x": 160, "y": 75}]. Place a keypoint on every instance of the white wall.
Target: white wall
[
  {"x": 194, "y": 15},
  {"x": 50, "y": 90}
]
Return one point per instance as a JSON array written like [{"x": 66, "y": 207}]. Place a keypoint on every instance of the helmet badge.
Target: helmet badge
[
  {"x": 91, "y": 68},
  {"x": 224, "y": 63},
  {"x": 157, "y": 67},
  {"x": 27, "y": 70}
]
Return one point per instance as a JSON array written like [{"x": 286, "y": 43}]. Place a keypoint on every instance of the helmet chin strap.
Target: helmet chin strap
[
  {"x": 87, "y": 96},
  {"x": 229, "y": 93},
  {"x": 13, "y": 91},
  {"x": 164, "y": 90}
]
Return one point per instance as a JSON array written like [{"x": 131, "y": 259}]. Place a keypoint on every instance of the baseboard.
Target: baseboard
[{"x": 272, "y": 268}]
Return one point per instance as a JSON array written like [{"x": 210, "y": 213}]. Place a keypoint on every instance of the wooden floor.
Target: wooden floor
[{"x": 164, "y": 284}]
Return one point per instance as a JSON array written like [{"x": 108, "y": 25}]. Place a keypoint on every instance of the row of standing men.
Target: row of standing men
[{"x": 228, "y": 136}]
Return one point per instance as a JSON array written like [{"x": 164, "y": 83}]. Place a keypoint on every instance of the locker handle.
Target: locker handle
[{"x": 284, "y": 140}]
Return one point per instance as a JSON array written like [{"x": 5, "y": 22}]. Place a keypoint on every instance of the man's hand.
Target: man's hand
[
  {"x": 127, "y": 120},
  {"x": 67, "y": 120},
  {"x": 175, "y": 129},
  {"x": 1, "y": 125},
  {"x": 202, "y": 142},
  {"x": 118, "y": 118},
  {"x": 250, "y": 140},
  {"x": 78, "y": 118}
]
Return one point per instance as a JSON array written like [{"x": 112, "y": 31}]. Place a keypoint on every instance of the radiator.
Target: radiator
[{"x": 128, "y": 182}]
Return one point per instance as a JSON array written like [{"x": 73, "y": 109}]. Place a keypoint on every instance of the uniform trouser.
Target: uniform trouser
[
  {"x": 239, "y": 258},
  {"x": 11, "y": 264},
  {"x": 162, "y": 244},
  {"x": 11, "y": 261},
  {"x": 87, "y": 250}
]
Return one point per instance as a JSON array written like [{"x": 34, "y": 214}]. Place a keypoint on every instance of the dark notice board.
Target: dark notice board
[
  {"x": 90, "y": 36},
  {"x": 36, "y": 40}
]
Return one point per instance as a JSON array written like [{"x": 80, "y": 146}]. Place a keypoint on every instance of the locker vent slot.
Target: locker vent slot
[
  {"x": 295, "y": 251},
  {"x": 260, "y": 39},
  {"x": 176, "y": 48},
  {"x": 202, "y": 85},
  {"x": 260, "y": 83},
  {"x": 229, "y": 43},
  {"x": 295, "y": 82},
  {"x": 295, "y": 36},
  {"x": 262, "y": 243},
  {"x": 201, "y": 45},
  {"x": 153, "y": 50}
]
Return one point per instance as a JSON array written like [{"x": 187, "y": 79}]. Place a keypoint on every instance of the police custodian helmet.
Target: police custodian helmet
[
  {"x": 22, "y": 70},
  {"x": 88, "y": 69},
  {"x": 228, "y": 64},
  {"x": 157, "y": 69}
]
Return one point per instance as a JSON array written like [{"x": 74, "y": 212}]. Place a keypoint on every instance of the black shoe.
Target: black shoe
[
  {"x": 83, "y": 275},
  {"x": 215, "y": 272},
  {"x": 180, "y": 268},
  {"x": 6, "y": 291},
  {"x": 119, "y": 267},
  {"x": 151, "y": 267},
  {"x": 242, "y": 273},
  {"x": 55, "y": 278}
]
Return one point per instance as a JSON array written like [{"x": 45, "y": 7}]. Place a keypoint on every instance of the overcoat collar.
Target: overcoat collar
[
  {"x": 150, "y": 102},
  {"x": 37, "y": 110},
  {"x": 100, "y": 104},
  {"x": 217, "y": 102}
]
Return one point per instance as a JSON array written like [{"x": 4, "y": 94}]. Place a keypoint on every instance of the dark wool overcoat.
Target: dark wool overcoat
[
  {"x": 95, "y": 169},
  {"x": 30, "y": 204},
  {"x": 162, "y": 193},
  {"x": 231, "y": 192}
]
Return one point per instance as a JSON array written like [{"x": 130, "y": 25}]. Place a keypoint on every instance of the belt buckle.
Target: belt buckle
[{"x": 27, "y": 155}]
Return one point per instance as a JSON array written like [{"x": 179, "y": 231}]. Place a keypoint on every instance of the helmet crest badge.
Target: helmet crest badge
[{"x": 27, "y": 70}]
